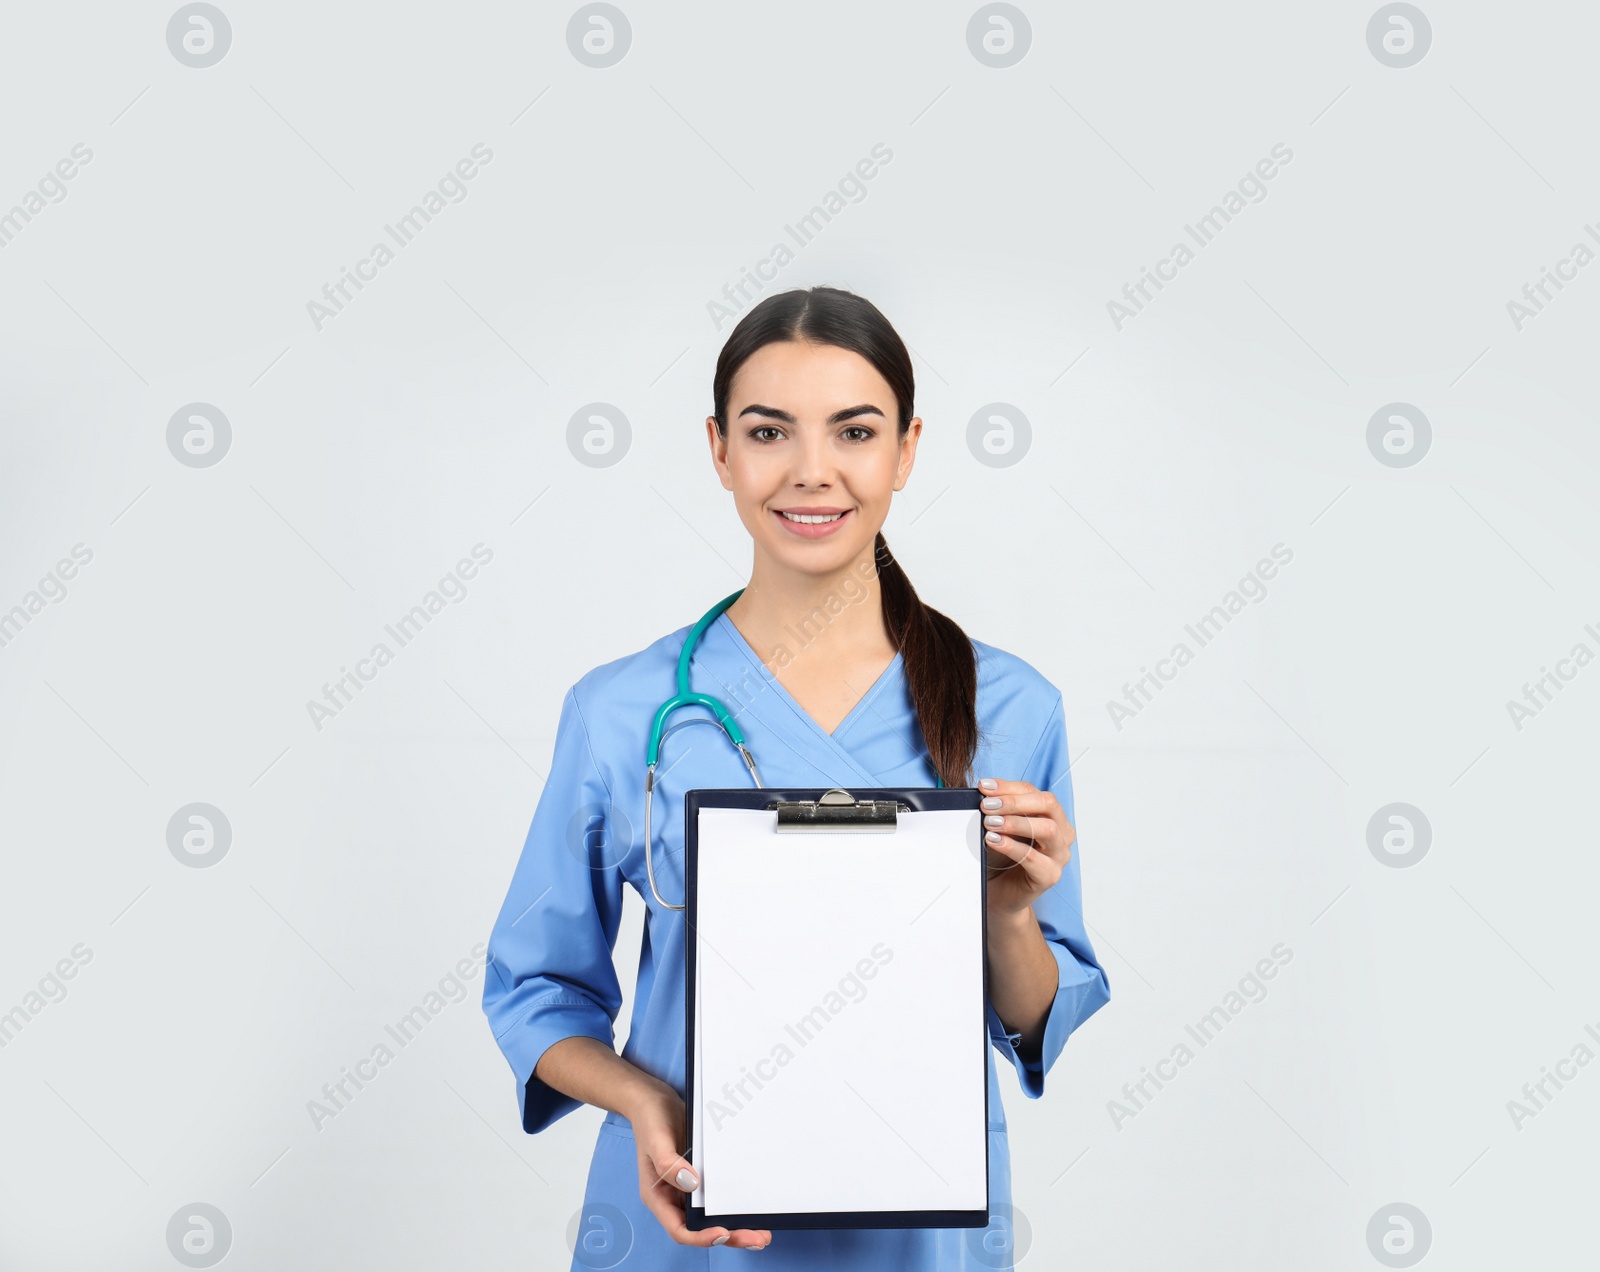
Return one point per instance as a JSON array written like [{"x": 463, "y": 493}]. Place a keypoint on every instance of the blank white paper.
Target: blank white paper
[{"x": 840, "y": 1034}]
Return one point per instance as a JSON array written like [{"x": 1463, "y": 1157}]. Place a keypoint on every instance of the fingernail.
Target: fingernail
[
  {"x": 991, "y": 803},
  {"x": 991, "y": 837},
  {"x": 987, "y": 784},
  {"x": 686, "y": 1180},
  {"x": 722, "y": 1240},
  {"x": 994, "y": 820}
]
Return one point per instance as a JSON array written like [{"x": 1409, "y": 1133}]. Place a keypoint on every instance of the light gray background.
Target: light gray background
[{"x": 1230, "y": 815}]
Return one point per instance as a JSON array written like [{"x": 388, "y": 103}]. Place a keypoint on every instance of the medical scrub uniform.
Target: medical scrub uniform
[{"x": 550, "y": 975}]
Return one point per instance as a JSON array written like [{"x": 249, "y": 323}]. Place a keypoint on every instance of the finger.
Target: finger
[
  {"x": 1004, "y": 786},
  {"x": 666, "y": 1194},
  {"x": 675, "y": 1178},
  {"x": 1045, "y": 832},
  {"x": 1029, "y": 801},
  {"x": 666, "y": 1204},
  {"x": 1022, "y": 854},
  {"x": 674, "y": 1169}
]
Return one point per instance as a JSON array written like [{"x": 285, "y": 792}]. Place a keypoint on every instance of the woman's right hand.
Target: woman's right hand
[{"x": 666, "y": 1177}]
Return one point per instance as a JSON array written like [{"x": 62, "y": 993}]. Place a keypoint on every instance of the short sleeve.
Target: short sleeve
[
  {"x": 549, "y": 973},
  {"x": 1082, "y": 987}
]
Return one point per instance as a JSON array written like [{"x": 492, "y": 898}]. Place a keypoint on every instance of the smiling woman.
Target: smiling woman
[
  {"x": 812, "y": 481},
  {"x": 812, "y": 433}
]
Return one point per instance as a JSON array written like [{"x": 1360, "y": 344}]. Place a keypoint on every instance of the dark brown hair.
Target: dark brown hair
[{"x": 940, "y": 664}]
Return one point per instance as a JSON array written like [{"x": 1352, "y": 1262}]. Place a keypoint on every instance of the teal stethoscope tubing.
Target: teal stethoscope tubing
[
  {"x": 687, "y": 697},
  {"x": 683, "y": 698}
]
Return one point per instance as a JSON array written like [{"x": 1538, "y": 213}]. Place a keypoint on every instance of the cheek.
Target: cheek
[
  {"x": 874, "y": 474},
  {"x": 754, "y": 476}
]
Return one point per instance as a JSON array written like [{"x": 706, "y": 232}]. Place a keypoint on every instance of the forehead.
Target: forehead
[{"x": 803, "y": 377}]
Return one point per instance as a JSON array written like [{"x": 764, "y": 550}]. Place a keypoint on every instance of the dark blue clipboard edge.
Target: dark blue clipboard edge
[{"x": 918, "y": 799}]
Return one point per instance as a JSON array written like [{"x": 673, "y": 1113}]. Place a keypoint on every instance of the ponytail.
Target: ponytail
[
  {"x": 941, "y": 671},
  {"x": 941, "y": 667}
]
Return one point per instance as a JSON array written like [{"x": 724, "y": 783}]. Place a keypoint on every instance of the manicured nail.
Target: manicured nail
[
  {"x": 686, "y": 1180},
  {"x": 722, "y": 1240},
  {"x": 995, "y": 820},
  {"x": 987, "y": 784},
  {"x": 992, "y": 837},
  {"x": 991, "y": 803}
]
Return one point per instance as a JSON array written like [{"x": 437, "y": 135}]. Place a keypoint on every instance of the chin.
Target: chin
[{"x": 820, "y": 558}]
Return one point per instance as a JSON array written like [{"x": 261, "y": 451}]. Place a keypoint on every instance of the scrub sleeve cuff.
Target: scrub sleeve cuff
[
  {"x": 1066, "y": 1010},
  {"x": 547, "y": 1021}
]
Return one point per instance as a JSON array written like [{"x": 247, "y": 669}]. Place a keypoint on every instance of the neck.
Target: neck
[{"x": 785, "y": 614}]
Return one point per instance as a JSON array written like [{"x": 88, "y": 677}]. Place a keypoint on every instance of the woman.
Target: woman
[{"x": 839, "y": 675}]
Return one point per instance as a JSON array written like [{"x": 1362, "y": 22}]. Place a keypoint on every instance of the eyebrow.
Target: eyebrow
[{"x": 838, "y": 417}]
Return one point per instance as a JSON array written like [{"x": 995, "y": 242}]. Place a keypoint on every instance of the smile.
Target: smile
[{"x": 812, "y": 524}]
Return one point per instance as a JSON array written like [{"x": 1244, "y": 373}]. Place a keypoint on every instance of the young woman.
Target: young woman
[{"x": 839, "y": 676}]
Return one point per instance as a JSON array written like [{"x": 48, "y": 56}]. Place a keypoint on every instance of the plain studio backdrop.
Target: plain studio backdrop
[{"x": 1093, "y": 482}]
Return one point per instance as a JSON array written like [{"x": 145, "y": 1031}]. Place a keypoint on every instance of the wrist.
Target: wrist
[
  {"x": 1011, "y": 923},
  {"x": 641, "y": 1092}
]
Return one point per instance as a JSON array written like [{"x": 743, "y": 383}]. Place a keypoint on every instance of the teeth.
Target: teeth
[{"x": 808, "y": 520}]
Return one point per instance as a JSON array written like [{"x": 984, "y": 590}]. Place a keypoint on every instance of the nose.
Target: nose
[{"x": 813, "y": 461}]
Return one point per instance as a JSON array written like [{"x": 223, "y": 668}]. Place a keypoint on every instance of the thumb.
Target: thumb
[{"x": 670, "y": 1166}]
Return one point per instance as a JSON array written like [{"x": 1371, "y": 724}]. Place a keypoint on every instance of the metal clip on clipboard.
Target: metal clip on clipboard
[{"x": 839, "y": 810}]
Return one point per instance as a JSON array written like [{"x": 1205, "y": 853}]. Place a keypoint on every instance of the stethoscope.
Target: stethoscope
[{"x": 687, "y": 697}]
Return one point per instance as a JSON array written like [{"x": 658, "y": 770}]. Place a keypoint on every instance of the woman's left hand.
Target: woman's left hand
[{"x": 1029, "y": 842}]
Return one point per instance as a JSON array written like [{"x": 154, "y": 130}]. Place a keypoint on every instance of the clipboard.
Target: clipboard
[{"x": 827, "y": 1086}]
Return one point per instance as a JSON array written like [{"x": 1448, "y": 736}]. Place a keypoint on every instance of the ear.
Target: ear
[
  {"x": 908, "y": 452},
  {"x": 719, "y": 452}
]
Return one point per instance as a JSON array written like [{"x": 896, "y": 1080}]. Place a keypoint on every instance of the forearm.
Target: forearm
[
  {"x": 1023, "y": 977},
  {"x": 588, "y": 1070}
]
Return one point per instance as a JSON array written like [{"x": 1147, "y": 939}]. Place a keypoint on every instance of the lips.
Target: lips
[{"x": 812, "y": 523}]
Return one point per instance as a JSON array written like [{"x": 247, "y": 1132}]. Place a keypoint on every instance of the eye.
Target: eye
[
  {"x": 756, "y": 434},
  {"x": 861, "y": 433}
]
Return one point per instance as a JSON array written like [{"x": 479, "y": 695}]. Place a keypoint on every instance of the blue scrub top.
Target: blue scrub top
[{"x": 550, "y": 975}]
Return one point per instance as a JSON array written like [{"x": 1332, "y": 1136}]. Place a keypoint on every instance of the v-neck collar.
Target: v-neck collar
[{"x": 833, "y": 741}]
